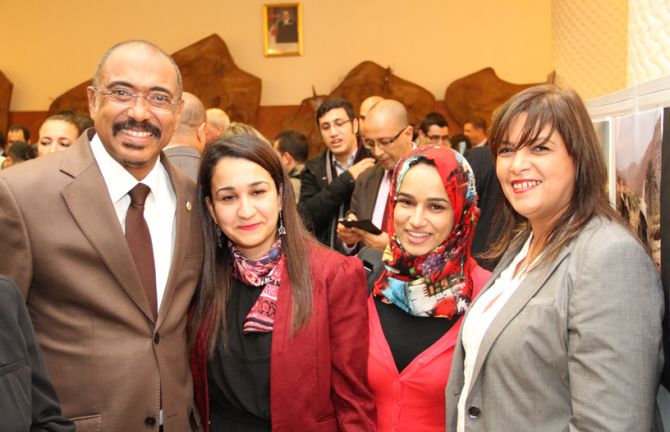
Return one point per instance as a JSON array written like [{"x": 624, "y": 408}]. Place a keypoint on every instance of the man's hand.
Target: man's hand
[
  {"x": 356, "y": 169},
  {"x": 377, "y": 241},
  {"x": 348, "y": 236}
]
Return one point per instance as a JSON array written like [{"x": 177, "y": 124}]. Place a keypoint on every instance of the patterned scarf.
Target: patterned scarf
[
  {"x": 438, "y": 284},
  {"x": 266, "y": 271}
]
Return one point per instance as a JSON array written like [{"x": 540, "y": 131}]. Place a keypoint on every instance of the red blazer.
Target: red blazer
[
  {"x": 413, "y": 400},
  {"x": 318, "y": 377}
]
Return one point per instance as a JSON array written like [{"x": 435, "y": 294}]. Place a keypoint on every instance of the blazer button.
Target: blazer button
[
  {"x": 157, "y": 338},
  {"x": 150, "y": 421},
  {"x": 474, "y": 412}
]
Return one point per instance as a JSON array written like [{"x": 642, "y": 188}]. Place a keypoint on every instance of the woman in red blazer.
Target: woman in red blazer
[
  {"x": 428, "y": 281},
  {"x": 278, "y": 326}
]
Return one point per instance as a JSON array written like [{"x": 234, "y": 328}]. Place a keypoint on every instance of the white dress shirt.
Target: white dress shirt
[
  {"x": 479, "y": 319},
  {"x": 159, "y": 208},
  {"x": 382, "y": 198}
]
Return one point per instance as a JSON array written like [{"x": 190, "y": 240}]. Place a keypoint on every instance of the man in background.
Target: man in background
[
  {"x": 388, "y": 136},
  {"x": 293, "y": 148},
  {"x": 327, "y": 181},
  {"x": 217, "y": 122},
  {"x": 488, "y": 189},
  {"x": 188, "y": 140},
  {"x": 475, "y": 130},
  {"x": 365, "y": 107},
  {"x": 434, "y": 129},
  {"x": 17, "y": 133}
]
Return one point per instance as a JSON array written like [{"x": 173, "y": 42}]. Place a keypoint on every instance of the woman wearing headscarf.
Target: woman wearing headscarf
[{"x": 428, "y": 281}]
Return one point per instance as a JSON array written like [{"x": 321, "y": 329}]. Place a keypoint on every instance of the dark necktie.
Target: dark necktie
[{"x": 139, "y": 241}]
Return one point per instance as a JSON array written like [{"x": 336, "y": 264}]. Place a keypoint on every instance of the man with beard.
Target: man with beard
[{"x": 103, "y": 240}]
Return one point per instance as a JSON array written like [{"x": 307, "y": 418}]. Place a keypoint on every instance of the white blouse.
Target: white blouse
[{"x": 481, "y": 315}]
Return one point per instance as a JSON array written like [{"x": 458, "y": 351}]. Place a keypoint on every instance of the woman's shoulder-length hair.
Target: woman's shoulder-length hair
[
  {"x": 209, "y": 303},
  {"x": 561, "y": 110}
]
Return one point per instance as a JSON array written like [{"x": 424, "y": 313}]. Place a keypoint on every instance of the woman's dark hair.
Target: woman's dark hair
[
  {"x": 209, "y": 304},
  {"x": 563, "y": 112},
  {"x": 67, "y": 117}
]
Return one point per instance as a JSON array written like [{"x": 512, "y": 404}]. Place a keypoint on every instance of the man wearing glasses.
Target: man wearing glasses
[
  {"x": 106, "y": 248},
  {"x": 388, "y": 136},
  {"x": 434, "y": 130},
  {"x": 327, "y": 181}
]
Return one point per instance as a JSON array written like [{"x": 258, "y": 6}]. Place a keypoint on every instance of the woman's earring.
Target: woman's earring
[
  {"x": 281, "y": 230},
  {"x": 219, "y": 242}
]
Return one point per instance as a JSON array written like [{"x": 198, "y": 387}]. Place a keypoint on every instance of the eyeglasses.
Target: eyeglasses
[
  {"x": 123, "y": 96},
  {"x": 438, "y": 138},
  {"x": 337, "y": 124},
  {"x": 382, "y": 142}
]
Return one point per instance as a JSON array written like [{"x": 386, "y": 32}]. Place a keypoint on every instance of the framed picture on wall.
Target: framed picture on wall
[{"x": 282, "y": 29}]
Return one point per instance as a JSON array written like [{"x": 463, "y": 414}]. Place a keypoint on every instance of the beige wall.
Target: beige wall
[
  {"x": 47, "y": 47},
  {"x": 648, "y": 40},
  {"x": 590, "y": 40}
]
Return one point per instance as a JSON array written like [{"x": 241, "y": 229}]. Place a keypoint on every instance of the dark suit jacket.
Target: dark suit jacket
[
  {"x": 62, "y": 243},
  {"x": 185, "y": 158},
  {"x": 490, "y": 195},
  {"x": 28, "y": 400},
  {"x": 318, "y": 377},
  {"x": 366, "y": 188},
  {"x": 320, "y": 202}
]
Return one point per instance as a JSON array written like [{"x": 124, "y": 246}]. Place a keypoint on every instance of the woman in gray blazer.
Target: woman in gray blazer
[{"x": 566, "y": 335}]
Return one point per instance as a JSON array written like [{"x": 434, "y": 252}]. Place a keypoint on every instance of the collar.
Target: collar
[
  {"x": 348, "y": 163},
  {"x": 118, "y": 180}
]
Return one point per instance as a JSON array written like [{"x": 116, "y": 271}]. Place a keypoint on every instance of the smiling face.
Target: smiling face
[
  {"x": 245, "y": 204},
  {"x": 423, "y": 216},
  {"x": 537, "y": 179},
  {"x": 135, "y": 132},
  {"x": 55, "y": 136}
]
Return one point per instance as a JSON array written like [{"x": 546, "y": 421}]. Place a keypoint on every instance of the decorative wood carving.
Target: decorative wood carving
[
  {"x": 478, "y": 95},
  {"x": 304, "y": 120},
  {"x": 366, "y": 79},
  {"x": 208, "y": 71},
  {"x": 5, "y": 98}
]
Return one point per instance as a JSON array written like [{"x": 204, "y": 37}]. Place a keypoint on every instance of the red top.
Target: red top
[
  {"x": 317, "y": 376},
  {"x": 414, "y": 399}
]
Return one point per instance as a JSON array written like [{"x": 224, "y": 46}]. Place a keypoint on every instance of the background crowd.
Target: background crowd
[{"x": 170, "y": 270}]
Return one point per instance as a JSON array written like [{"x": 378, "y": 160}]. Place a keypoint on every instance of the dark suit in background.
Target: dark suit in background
[
  {"x": 365, "y": 193},
  {"x": 28, "y": 400},
  {"x": 321, "y": 203},
  {"x": 490, "y": 195}
]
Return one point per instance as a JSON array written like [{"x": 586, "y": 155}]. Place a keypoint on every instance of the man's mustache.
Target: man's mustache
[{"x": 135, "y": 125}]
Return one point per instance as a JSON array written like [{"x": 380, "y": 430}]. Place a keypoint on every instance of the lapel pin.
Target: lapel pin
[{"x": 188, "y": 206}]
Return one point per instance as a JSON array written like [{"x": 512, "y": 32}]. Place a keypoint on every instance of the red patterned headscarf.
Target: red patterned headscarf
[{"x": 438, "y": 284}]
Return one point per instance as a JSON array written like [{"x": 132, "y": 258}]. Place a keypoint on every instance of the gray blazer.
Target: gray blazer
[{"x": 576, "y": 348}]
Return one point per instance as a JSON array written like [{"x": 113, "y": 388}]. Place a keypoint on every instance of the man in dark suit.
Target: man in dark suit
[
  {"x": 28, "y": 400},
  {"x": 488, "y": 189},
  {"x": 287, "y": 28},
  {"x": 108, "y": 278},
  {"x": 327, "y": 182},
  {"x": 388, "y": 136}
]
